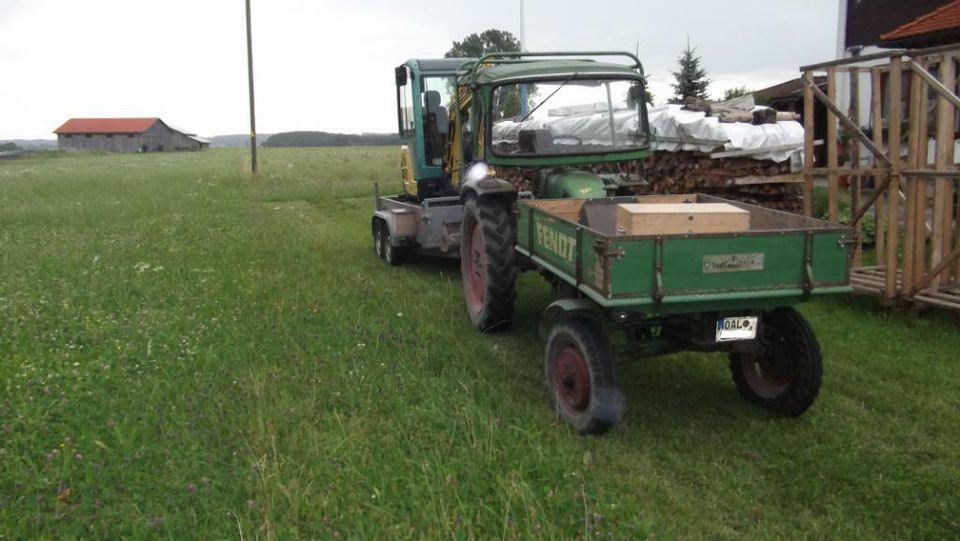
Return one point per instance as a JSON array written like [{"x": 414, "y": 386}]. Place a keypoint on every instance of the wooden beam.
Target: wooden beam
[
  {"x": 923, "y": 228},
  {"x": 876, "y": 121},
  {"x": 943, "y": 91},
  {"x": 913, "y": 149},
  {"x": 890, "y": 291},
  {"x": 854, "y": 115},
  {"x": 925, "y": 281},
  {"x": 833, "y": 205},
  {"x": 943, "y": 189},
  {"x": 855, "y": 129},
  {"x": 808, "y": 128},
  {"x": 854, "y": 60}
]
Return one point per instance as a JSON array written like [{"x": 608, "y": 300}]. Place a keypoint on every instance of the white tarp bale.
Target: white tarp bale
[
  {"x": 673, "y": 122},
  {"x": 669, "y": 121}
]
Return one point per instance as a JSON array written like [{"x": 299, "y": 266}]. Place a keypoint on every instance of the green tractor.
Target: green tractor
[
  {"x": 527, "y": 179},
  {"x": 479, "y": 134}
]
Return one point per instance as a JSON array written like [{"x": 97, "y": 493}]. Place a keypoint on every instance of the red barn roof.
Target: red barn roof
[
  {"x": 107, "y": 125},
  {"x": 945, "y": 17}
]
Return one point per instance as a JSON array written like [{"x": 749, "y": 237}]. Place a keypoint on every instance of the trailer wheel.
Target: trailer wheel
[
  {"x": 786, "y": 376},
  {"x": 391, "y": 254},
  {"x": 582, "y": 377},
  {"x": 378, "y": 238},
  {"x": 488, "y": 262}
]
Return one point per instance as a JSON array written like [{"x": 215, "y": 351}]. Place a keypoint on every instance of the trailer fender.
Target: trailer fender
[
  {"x": 401, "y": 224},
  {"x": 568, "y": 309}
]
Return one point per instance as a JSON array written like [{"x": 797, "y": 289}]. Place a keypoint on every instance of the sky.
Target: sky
[{"x": 325, "y": 65}]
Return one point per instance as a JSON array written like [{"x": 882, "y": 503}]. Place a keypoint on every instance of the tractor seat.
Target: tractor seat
[{"x": 535, "y": 141}]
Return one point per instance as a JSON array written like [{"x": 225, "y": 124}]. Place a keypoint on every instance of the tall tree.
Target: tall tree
[
  {"x": 489, "y": 41},
  {"x": 691, "y": 80}
]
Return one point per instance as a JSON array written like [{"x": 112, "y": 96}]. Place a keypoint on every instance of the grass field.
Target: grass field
[{"x": 189, "y": 354}]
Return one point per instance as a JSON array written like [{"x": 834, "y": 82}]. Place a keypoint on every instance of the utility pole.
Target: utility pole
[
  {"x": 253, "y": 116},
  {"x": 523, "y": 31}
]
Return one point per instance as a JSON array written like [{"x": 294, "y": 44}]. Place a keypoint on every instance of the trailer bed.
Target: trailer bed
[{"x": 782, "y": 259}]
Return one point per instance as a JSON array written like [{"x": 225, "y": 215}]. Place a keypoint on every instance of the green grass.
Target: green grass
[{"x": 186, "y": 353}]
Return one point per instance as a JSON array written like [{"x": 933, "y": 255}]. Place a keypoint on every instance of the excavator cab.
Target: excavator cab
[{"x": 425, "y": 90}]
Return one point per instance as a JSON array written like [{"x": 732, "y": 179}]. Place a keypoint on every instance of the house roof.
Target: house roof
[
  {"x": 868, "y": 19},
  {"x": 107, "y": 125},
  {"x": 787, "y": 89},
  {"x": 946, "y": 17}
]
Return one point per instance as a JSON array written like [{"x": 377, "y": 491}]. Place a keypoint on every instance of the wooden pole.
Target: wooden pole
[
  {"x": 893, "y": 201},
  {"x": 913, "y": 145},
  {"x": 831, "y": 142},
  {"x": 253, "y": 114},
  {"x": 808, "y": 128},
  {"x": 876, "y": 114},
  {"x": 854, "y": 115},
  {"x": 922, "y": 138},
  {"x": 943, "y": 189}
]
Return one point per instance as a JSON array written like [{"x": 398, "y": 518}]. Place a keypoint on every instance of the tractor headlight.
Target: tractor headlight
[{"x": 477, "y": 171}]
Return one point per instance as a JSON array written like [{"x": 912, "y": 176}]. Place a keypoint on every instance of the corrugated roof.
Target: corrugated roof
[
  {"x": 943, "y": 18},
  {"x": 198, "y": 139},
  {"x": 107, "y": 125}
]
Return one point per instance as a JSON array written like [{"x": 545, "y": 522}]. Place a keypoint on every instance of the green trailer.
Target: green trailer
[{"x": 661, "y": 294}]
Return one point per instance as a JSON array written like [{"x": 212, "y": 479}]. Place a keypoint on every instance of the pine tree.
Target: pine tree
[{"x": 692, "y": 79}]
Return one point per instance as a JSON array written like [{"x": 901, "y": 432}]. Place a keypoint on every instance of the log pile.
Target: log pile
[{"x": 760, "y": 182}]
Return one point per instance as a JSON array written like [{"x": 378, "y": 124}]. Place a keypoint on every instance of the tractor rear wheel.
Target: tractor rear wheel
[
  {"x": 785, "y": 375},
  {"x": 582, "y": 377},
  {"x": 488, "y": 263}
]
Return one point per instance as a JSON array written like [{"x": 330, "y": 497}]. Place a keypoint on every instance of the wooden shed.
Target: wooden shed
[{"x": 125, "y": 135}]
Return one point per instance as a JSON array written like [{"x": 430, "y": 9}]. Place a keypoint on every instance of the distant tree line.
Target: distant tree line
[
  {"x": 325, "y": 139},
  {"x": 9, "y": 147}
]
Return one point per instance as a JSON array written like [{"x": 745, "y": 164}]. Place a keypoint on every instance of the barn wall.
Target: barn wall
[{"x": 157, "y": 138}]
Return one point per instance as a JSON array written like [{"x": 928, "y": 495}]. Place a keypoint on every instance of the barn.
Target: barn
[{"x": 125, "y": 135}]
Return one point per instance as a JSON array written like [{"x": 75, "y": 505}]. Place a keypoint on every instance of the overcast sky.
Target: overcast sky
[{"x": 324, "y": 65}]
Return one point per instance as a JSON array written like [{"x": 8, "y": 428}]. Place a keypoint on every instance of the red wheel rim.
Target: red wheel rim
[
  {"x": 476, "y": 271},
  {"x": 769, "y": 377},
  {"x": 571, "y": 379}
]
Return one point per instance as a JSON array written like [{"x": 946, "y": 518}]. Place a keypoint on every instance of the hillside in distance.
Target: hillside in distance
[{"x": 325, "y": 139}]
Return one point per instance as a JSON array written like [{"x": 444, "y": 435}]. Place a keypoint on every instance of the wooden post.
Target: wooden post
[
  {"x": 831, "y": 142},
  {"x": 893, "y": 199},
  {"x": 913, "y": 137},
  {"x": 876, "y": 117},
  {"x": 808, "y": 127},
  {"x": 854, "y": 115},
  {"x": 942, "y": 241},
  {"x": 922, "y": 138}
]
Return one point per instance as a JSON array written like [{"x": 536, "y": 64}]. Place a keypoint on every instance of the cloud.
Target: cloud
[{"x": 325, "y": 65}]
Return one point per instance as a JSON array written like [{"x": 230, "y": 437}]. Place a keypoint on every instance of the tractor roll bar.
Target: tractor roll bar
[{"x": 517, "y": 57}]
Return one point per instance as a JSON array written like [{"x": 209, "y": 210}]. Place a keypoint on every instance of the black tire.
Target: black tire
[
  {"x": 378, "y": 238},
  {"x": 488, "y": 263},
  {"x": 582, "y": 377},
  {"x": 786, "y": 377},
  {"x": 393, "y": 255}
]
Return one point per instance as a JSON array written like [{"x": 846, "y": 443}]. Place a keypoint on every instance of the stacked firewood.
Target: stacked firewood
[{"x": 761, "y": 182}]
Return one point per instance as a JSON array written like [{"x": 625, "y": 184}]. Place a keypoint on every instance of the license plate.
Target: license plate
[{"x": 730, "y": 329}]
